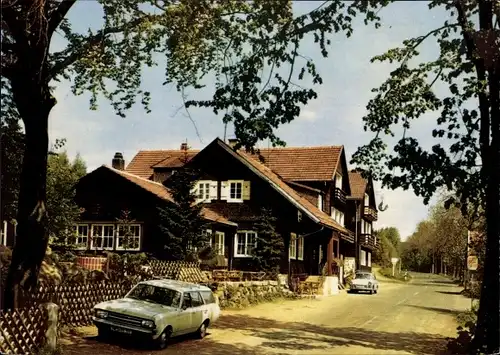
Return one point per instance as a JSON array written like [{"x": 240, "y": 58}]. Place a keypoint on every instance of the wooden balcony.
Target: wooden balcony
[
  {"x": 370, "y": 213},
  {"x": 368, "y": 240},
  {"x": 340, "y": 195}
]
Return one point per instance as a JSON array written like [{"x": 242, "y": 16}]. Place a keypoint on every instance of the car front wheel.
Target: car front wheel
[
  {"x": 164, "y": 338},
  {"x": 202, "y": 330}
]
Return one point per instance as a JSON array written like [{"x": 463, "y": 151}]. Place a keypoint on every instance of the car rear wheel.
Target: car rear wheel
[
  {"x": 164, "y": 338},
  {"x": 202, "y": 330}
]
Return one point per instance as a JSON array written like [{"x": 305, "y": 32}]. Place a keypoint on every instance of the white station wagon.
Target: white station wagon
[{"x": 159, "y": 310}]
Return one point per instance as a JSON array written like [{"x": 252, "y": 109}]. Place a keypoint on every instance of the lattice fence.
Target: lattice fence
[
  {"x": 22, "y": 331},
  {"x": 76, "y": 301},
  {"x": 178, "y": 270}
]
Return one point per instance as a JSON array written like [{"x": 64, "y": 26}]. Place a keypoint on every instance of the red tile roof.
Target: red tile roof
[
  {"x": 141, "y": 165},
  {"x": 162, "y": 192},
  {"x": 290, "y": 193},
  {"x": 358, "y": 185},
  {"x": 302, "y": 163}
]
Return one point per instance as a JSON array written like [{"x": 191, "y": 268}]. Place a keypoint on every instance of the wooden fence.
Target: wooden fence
[
  {"x": 22, "y": 331},
  {"x": 77, "y": 301}
]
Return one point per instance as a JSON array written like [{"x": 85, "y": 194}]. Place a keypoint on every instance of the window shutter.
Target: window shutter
[
  {"x": 213, "y": 190},
  {"x": 224, "y": 190},
  {"x": 245, "y": 194},
  {"x": 194, "y": 190}
]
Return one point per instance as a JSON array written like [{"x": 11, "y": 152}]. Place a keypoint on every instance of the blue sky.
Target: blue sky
[{"x": 332, "y": 119}]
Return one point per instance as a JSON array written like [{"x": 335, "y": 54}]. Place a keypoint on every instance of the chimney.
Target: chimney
[
  {"x": 118, "y": 162},
  {"x": 232, "y": 142},
  {"x": 184, "y": 146}
]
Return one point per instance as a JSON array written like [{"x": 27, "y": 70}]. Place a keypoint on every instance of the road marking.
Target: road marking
[
  {"x": 416, "y": 293},
  {"x": 368, "y": 322},
  {"x": 402, "y": 301}
]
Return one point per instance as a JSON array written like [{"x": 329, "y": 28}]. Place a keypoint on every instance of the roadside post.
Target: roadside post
[{"x": 394, "y": 261}]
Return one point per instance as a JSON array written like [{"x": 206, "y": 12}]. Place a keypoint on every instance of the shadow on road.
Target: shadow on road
[
  {"x": 435, "y": 309},
  {"x": 267, "y": 334},
  {"x": 309, "y": 337},
  {"x": 450, "y": 292}
]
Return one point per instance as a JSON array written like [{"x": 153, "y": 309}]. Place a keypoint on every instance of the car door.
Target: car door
[
  {"x": 199, "y": 311},
  {"x": 183, "y": 322}
]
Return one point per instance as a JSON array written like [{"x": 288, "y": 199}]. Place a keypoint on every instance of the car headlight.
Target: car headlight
[
  {"x": 101, "y": 314},
  {"x": 148, "y": 324},
  {"x": 369, "y": 284}
]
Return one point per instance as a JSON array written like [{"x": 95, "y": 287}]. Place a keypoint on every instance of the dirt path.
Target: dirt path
[{"x": 402, "y": 319}]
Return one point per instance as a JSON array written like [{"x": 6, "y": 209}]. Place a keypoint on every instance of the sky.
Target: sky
[{"x": 334, "y": 118}]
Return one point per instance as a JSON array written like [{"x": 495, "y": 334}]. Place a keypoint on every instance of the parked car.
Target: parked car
[
  {"x": 158, "y": 310},
  {"x": 364, "y": 281}
]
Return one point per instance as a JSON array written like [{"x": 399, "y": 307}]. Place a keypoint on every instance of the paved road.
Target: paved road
[{"x": 401, "y": 319}]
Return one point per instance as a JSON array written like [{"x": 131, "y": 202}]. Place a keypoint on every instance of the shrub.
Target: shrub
[{"x": 387, "y": 272}]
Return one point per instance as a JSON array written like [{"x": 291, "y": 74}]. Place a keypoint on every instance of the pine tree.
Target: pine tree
[
  {"x": 182, "y": 225},
  {"x": 270, "y": 245}
]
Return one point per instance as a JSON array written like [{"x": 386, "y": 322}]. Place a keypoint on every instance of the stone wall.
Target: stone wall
[{"x": 246, "y": 293}]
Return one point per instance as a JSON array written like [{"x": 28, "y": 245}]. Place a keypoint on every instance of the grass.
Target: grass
[{"x": 387, "y": 272}]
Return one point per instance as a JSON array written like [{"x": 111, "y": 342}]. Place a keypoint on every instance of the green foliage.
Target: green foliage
[
  {"x": 388, "y": 240},
  {"x": 270, "y": 244},
  {"x": 63, "y": 212},
  {"x": 12, "y": 146},
  {"x": 181, "y": 223},
  {"x": 470, "y": 315},
  {"x": 127, "y": 267},
  {"x": 401, "y": 276}
]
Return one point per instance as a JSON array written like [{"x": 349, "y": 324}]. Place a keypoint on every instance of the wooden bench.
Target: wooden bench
[{"x": 311, "y": 285}]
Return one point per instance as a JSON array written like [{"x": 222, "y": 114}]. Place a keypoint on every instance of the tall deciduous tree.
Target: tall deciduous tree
[
  {"x": 467, "y": 160},
  {"x": 388, "y": 245},
  {"x": 238, "y": 41},
  {"x": 63, "y": 212}
]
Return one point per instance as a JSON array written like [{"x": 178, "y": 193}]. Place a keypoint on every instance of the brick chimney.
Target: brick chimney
[
  {"x": 118, "y": 162},
  {"x": 184, "y": 146}
]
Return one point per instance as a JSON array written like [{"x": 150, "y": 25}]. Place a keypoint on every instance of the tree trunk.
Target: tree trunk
[
  {"x": 34, "y": 103},
  {"x": 486, "y": 335}
]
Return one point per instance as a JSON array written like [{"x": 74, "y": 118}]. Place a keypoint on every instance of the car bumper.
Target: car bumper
[
  {"x": 124, "y": 329},
  {"x": 361, "y": 287}
]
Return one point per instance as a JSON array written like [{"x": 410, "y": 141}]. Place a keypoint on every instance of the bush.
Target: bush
[
  {"x": 467, "y": 324},
  {"x": 403, "y": 276}
]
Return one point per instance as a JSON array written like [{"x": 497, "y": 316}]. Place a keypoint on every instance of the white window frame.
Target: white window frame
[
  {"x": 300, "y": 248},
  {"x": 217, "y": 242},
  {"x": 367, "y": 200},
  {"x": 82, "y": 245},
  {"x": 246, "y": 253},
  {"x": 362, "y": 257},
  {"x": 118, "y": 237},
  {"x": 320, "y": 202},
  {"x": 337, "y": 215},
  {"x": 369, "y": 258},
  {"x": 206, "y": 190},
  {"x": 338, "y": 181},
  {"x": 92, "y": 239},
  {"x": 292, "y": 248},
  {"x": 229, "y": 198}
]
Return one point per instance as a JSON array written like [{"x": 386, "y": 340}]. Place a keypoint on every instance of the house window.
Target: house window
[
  {"x": 102, "y": 236},
  {"x": 244, "y": 244},
  {"x": 235, "y": 190},
  {"x": 338, "y": 181},
  {"x": 217, "y": 243},
  {"x": 366, "y": 227},
  {"x": 300, "y": 248},
  {"x": 337, "y": 216},
  {"x": 81, "y": 235},
  {"x": 203, "y": 191},
  {"x": 292, "y": 248},
  {"x": 367, "y": 200},
  {"x": 362, "y": 258},
  {"x": 129, "y": 237},
  {"x": 369, "y": 261},
  {"x": 320, "y": 202}
]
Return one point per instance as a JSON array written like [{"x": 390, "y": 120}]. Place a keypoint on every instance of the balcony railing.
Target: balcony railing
[
  {"x": 340, "y": 195},
  {"x": 370, "y": 213},
  {"x": 368, "y": 240}
]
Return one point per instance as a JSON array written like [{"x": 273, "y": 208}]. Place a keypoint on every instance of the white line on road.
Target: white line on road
[
  {"x": 416, "y": 293},
  {"x": 368, "y": 322},
  {"x": 402, "y": 301}
]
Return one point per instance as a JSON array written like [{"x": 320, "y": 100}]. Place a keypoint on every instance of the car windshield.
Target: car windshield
[
  {"x": 155, "y": 294},
  {"x": 363, "y": 276}
]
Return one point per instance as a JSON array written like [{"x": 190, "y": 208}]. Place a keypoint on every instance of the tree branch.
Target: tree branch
[
  {"x": 58, "y": 15},
  {"x": 77, "y": 51}
]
